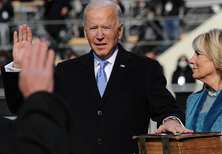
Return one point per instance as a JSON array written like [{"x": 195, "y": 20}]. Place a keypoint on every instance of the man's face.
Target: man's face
[{"x": 102, "y": 31}]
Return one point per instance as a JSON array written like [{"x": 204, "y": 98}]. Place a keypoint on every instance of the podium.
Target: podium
[{"x": 168, "y": 143}]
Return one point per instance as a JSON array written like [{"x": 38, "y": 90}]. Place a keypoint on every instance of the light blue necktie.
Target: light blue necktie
[{"x": 101, "y": 77}]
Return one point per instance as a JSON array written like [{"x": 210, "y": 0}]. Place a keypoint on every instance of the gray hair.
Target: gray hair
[
  {"x": 100, "y": 4},
  {"x": 210, "y": 44}
]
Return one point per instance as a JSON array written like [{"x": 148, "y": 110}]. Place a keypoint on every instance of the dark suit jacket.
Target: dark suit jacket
[
  {"x": 136, "y": 91},
  {"x": 38, "y": 130}
]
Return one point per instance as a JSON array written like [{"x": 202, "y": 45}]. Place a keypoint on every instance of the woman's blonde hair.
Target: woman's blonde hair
[{"x": 210, "y": 43}]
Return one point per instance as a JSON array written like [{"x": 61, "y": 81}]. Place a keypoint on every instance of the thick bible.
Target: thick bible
[{"x": 168, "y": 143}]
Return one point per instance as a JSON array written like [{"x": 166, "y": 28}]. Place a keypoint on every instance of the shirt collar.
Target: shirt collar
[{"x": 111, "y": 59}]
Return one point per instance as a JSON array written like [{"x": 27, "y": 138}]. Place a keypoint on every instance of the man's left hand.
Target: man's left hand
[{"x": 173, "y": 126}]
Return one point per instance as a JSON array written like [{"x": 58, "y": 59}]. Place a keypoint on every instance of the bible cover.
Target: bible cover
[{"x": 168, "y": 143}]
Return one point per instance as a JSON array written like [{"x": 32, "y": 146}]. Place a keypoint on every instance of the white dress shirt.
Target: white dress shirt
[{"x": 9, "y": 68}]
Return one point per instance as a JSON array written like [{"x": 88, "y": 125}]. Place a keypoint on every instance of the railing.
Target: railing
[{"x": 36, "y": 23}]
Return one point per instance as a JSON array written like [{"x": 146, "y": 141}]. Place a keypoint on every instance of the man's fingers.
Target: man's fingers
[
  {"x": 160, "y": 129},
  {"x": 24, "y": 32},
  {"x": 39, "y": 54},
  {"x": 29, "y": 33},
  {"x": 42, "y": 54},
  {"x": 26, "y": 58},
  {"x": 20, "y": 33},
  {"x": 15, "y": 37},
  {"x": 35, "y": 54},
  {"x": 173, "y": 128},
  {"x": 188, "y": 130},
  {"x": 37, "y": 69},
  {"x": 50, "y": 60}
]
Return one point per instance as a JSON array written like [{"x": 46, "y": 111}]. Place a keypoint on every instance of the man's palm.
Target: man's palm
[{"x": 20, "y": 44}]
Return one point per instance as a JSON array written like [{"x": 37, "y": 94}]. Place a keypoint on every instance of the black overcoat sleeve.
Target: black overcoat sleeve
[
  {"x": 45, "y": 125},
  {"x": 13, "y": 96}
]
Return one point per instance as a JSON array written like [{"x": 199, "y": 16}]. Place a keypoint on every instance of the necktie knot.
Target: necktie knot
[{"x": 103, "y": 64}]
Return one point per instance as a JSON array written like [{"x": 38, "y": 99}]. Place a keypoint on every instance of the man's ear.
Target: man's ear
[
  {"x": 85, "y": 34},
  {"x": 120, "y": 33}
]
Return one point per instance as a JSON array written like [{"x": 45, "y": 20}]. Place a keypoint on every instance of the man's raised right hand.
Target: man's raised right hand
[{"x": 21, "y": 43}]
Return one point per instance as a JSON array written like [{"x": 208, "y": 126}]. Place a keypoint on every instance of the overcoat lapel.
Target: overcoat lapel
[
  {"x": 120, "y": 68},
  {"x": 88, "y": 75}
]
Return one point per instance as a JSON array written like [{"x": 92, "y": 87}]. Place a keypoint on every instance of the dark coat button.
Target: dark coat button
[
  {"x": 99, "y": 141},
  {"x": 100, "y": 113}
]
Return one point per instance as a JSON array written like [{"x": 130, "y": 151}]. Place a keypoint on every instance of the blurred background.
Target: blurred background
[{"x": 160, "y": 29}]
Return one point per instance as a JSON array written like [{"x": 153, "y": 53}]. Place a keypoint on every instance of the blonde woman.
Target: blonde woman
[{"x": 204, "y": 108}]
